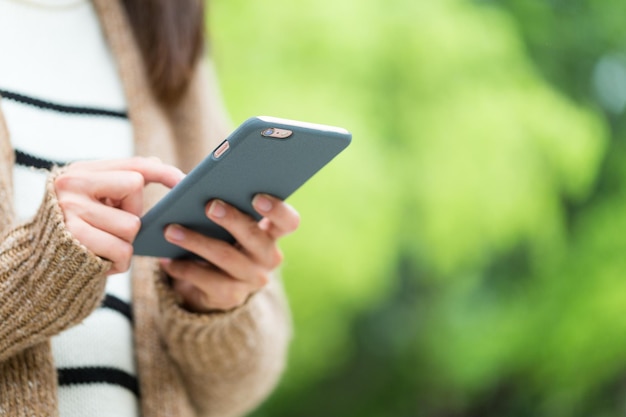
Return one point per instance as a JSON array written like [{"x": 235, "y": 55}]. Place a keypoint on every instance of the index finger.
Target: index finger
[
  {"x": 155, "y": 171},
  {"x": 152, "y": 169}
]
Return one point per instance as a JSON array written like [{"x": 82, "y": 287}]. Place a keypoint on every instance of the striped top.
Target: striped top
[{"x": 63, "y": 101}]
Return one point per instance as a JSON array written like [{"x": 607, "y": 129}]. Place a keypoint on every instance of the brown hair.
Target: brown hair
[{"x": 170, "y": 34}]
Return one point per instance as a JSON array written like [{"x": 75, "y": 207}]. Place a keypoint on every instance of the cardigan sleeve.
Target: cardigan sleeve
[
  {"x": 229, "y": 361},
  {"x": 48, "y": 280}
]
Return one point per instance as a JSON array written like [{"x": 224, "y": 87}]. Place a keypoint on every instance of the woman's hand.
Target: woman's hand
[
  {"x": 103, "y": 200},
  {"x": 230, "y": 273}
]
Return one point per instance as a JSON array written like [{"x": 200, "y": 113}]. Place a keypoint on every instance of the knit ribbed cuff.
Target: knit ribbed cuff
[
  {"x": 222, "y": 340},
  {"x": 46, "y": 269}
]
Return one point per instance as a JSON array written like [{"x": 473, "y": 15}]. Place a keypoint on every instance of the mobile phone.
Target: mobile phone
[{"x": 263, "y": 155}]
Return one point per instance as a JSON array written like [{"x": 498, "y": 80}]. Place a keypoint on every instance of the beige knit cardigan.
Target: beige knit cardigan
[{"x": 220, "y": 364}]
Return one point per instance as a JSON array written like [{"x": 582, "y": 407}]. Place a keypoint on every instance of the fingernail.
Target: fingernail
[
  {"x": 174, "y": 233},
  {"x": 217, "y": 209},
  {"x": 261, "y": 203}
]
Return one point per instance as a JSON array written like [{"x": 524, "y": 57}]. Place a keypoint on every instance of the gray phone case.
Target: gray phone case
[{"x": 252, "y": 164}]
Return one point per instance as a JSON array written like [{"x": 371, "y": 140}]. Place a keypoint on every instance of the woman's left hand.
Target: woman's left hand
[{"x": 230, "y": 273}]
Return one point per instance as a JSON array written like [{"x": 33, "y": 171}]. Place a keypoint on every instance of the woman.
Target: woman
[{"x": 97, "y": 83}]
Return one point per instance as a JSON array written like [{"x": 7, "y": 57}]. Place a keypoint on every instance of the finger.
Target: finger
[
  {"x": 152, "y": 169},
  {"x": 280, "y": 219},
  {"x": 155, "y": 171},
  {"x": 102, "y": 244},
  {"x": 254, "y": 241},
  {"x": 204, "y": 287},
  {"x": 111, "y": 220},
  {"x": 125, "y": 188},
  {"x": 117, "y": 188},
  {"x": 219, "y": 253}
]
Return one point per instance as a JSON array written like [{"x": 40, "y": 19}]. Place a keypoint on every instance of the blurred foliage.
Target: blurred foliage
[{"x": 464, "y": 256}]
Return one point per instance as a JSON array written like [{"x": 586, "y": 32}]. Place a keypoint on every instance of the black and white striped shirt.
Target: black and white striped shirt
[{"x": 63, "y": 101}]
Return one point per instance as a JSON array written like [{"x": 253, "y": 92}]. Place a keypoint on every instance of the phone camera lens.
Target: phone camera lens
[{"x": 268, "y": 132}]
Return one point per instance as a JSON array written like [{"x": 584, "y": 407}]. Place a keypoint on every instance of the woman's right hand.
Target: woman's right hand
[{"x": 102, "y": 202}]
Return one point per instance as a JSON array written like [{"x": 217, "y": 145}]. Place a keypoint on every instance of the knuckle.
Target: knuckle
[
  {"x": 262, "y": 279},
  {"x": 235, "y": 297},
  {"x": 225, "y": 252},
  {"x": 251, "y": 229},
  {"x": 182, "y": 287},
  {"x": 225, "y": 296},
  {"x": 138, "y": 160},
  {"x": 133, "y": 163},
  {"x": 276, "y": 258},
  {"x": 131, "y": 227},
  {"x": 199, "y": 299},
  {"x": 220, "y": 300},
  {"x": 136, "y": 224},
  {"x": 144, "y": 163},
  {"x": 135, "y": 181},
  {"x": 117, "y": 268},
  {"x": 126, "y": 252},
  {"x": 295, "y": 220},
  {"x": 248, "y": 230},
  {"x": 122, "y": 265}
]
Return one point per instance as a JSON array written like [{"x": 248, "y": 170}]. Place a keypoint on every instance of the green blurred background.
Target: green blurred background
[{"x": 466, "y": 256}]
